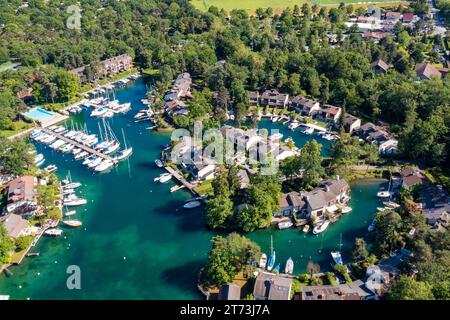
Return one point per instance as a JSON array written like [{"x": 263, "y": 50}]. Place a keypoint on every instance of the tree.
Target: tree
[
  {"x": 359, "y": 251},
  {"x": 23, "y": 242},
  {"x": 218, "y": 210},
  {"x": 310, "y": 161},
  {"x": 6, "y": 245},
  {"x": 229, "y": 256},
  {"x": 14, "y": 156},
  {"x": 409, "y": 289}
]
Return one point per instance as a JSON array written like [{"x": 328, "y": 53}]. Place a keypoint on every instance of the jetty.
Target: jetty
[
  {"x": 181, "y": 179},
  {"x": 79, "y": 145}
]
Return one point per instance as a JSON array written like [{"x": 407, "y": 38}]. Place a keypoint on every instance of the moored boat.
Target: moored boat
[
  {"x": 372, "y": 226},
  {"x": 263, "y": 261},
  {"x": 289, "y": 266},
  {"x": 192, "y": 204},
  {"x": 337, "y": 258},
  {"x": 159, "y": 163},
  {"x": 321, "y": 228},
  {"x": 51, "y": 168},
  {"x": 306, "y": 228},
  {"x": 165, "y": 177},
  {"x": 53, "y": 232},
  {"x": 346, "y": 209},
  {"x": 285, "y": 224},
  {"x": 72, "y": 223},
  {"x": 70, "y": 213}
]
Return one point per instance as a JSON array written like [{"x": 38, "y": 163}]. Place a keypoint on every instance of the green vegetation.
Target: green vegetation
[
  {"x": 229, "y": 256},
  {"x": 6, "y": 245},
  {"x": 14, "y": 156},
  {"x": 410, "y": 289},
  {"x": 22, "y": 242}
]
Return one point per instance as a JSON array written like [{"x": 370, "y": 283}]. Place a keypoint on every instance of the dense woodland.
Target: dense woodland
[{"x": 290, "y": 52}]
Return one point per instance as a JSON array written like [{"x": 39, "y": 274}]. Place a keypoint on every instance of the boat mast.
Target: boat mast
[
  {"x": 271, "y": 245},
  {"x": 340, "y": 241},
  {"x": 124, "y": 140}
]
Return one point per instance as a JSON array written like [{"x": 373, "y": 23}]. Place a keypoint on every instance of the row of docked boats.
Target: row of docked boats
[{"x": 269, "y": 263}]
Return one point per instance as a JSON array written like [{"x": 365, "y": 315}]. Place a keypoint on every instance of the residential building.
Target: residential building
[
  {"x": 181, "y": 88},
  {"x": 393, "y": 17},
  {"x": 411, "y": 177},
  {"x": 175, "y": 107},
  {"x": 304, "y": 105},
  {"x": 14, "y": 224},
  {"x": 253, "y": 97},
  {"x": 269, "y": 286},
  {"x": 352, "y": 291},
  {"x": 290, "y": 203},
  {"x": 330, "y": 113},
  {"x": 21, "y": 196},
  {"x": 426, "y": 71},
  {"x": 437, "y": 217},
  {"x": 230, "y": 292},
  {"x": 274, "y": 99},
  {"x": 351, "y": 123},
  {"x": 107, "y": 68},
  {"x": 373, "y": 134},
  {"x": 408, "y": 17},
  {"x": 379, "y": 66}
]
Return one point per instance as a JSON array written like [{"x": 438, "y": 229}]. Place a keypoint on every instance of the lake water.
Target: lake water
[{"x": 137, "y": 242}]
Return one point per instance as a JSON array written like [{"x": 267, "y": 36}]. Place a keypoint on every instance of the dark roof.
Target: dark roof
[
  {"x": 352, "y": 291},
  {"x": 349, "y": 119},
  {"x": 412, "y": 180},
  {"x": 380, "y": 64},
  {"x": 230, "y": 292},
  {"x": 301, "y": 100},
  {"x": 427, "y": 70},
  {"x": 269, "y": 286}
]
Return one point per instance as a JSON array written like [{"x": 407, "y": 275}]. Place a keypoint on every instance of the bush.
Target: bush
[
  {"x": 331, "y": 278},
  {"x": 22, "y": 242},
  {"x": 303, "y": 277}
]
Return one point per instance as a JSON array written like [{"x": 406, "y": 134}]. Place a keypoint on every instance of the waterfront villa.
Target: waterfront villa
[
  {"x": 380, "y": 137},
  {"x": 411, "y": 177},
  {"x": 327, "y": 198},
  {"x": 14, "y": 224},
  {"x": 175, "y": 107},
  {"x": 269, "y": 286},
  {"x": 351, "y": 123},
  {"x": 230, "y": 292},
  {"x": 274, "y": 99},
  {"x": 290, "y": 203},
  {"x": 21, "y": 196},
  {"x": 329, "y": 113},
  {"x": 253, "y": 97},
  {"x": 304, "y": 105},
  {"x": 107, "y": 68},
  {"x": 351, "y": 291}
]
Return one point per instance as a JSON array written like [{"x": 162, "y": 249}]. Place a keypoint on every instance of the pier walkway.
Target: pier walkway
[
  {"x": 79, "y": 145},
  {"x": 181, "y": 179}
]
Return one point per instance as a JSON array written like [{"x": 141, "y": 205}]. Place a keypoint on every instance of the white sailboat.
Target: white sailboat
[
  {"x": 336, "y": 255},
  {"x": 272, "y": 258},
  {"x": 321, "y": 228},
  {"x": 125, "y": 153},
  {"x": 104, "y": 166},
  {"x": 263, "y": 261},
  {"x": 289, "y": 266}
]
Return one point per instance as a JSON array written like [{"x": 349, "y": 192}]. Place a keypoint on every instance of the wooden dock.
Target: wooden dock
[
  {"x": 181, "y": 179},
  {"x": 79, "y": 145}
]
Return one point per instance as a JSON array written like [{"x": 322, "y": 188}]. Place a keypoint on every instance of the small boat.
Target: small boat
[
  {"x": 165, "y": 177},
  {"x": 53, "y": 232},
  {"x": 99, "y": 112},
  {"x": 89, "y": 159},
  {"x": 70, "y": 213},
  {"x": 72, "y": 223},
  {"x": 192, "y": 204},
  {"x": 289, "y": 266},
  {"x": 306, "y": 228},
  {"x": 74, "y": 202},
  {"x": 285, "y": 225},
  {"x": 346, "y": 209},
  {"x": 123, "y": 154},
  {"x": 336, "y": 255},
  {"x": 51, "y": 168},
  {"x": 308, "y": 131},
  {"x": 159, "y": 163},
  {"x": 274, "y": 119},
  {"x": 293, "y": 125},
  {"x": 76, "y": 151},
  {"x": 391, "y": 205},
  {"x": 95, "y": 163},
  {"x": 276, "y": 136},
  {"x": 277, "y": 268},
  {"x": 263, "y": 261},
  {"x": 104, "y": 165},
  {"x": 381, "y": 209},
  {"x": 176, "y": 188},
  {"x": 321, "y": 228},
  {"x": 372, "y": 226},
  {"x": 272, "y": 257},
  {"x": 72, "y": 185},
  {"x": 68, "y": 191},
  {"x": 81, "y": 155},
  {"x": 384, "y": 194},
  {"x": 123, "y": 108},
  {"x": 38, "y": 158}
]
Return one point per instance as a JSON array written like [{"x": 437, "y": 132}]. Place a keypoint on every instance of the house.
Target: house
[
  {"x": 351, "y": 123},
  {"x": 363, "y": 26},
  {"x": 408, "y": 17},
  {"x": 269, "y": 286},
  {"x": 107, "y": 68},
  {"x": 380, "y": 277},
  {"x": 375, "y": 36},
  {"x": 379, "y": 66},
  {"x": 388, "y": 147},
  {"x": 230, "y": 292},
  {"x": 330, "y": 113},
  {"x": 175, "y": 107},
  {"x": 274, "y": 99},
  {"x": 437, "y": 217},
  {"x": 373, "y": 134},
  {"x": 284, "y": 152},
  {"x": 329, "y": 197},
  {"x": 392, "y": 17},
  {"x": 411, "y": 177},
  {"x": 181, "y": 88},
  {"x": 426, "y": 71},
  {"x": 14, "y": 224},
  {"x": 290, "y": 203},
  {"x": 253, "y": 97},
  {"x": 352, "y": 291},
  {"x": 21, "y": 194},
  {"x": 304, "y": 105},
  {"x": 207, "y": 172}
]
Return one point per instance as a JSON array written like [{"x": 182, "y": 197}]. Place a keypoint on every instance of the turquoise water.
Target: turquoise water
[
  {"x": 38, "y": 114},
  {"x": 137, "y": 242}
]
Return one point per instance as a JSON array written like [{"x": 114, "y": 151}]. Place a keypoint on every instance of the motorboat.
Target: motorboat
[
  {"x": 391, "y": 205},
  {"x": 308, "y": 131},
  {"x": 276, "y": 136},
  {"x": 372, "y": 226},
  {"x": 384, "y": 194},
  {"x": 123, "y": 108},
  {"x": 39, "y": 160},
  {"x": 159, "y": 163},
  {"x": 289, "y": 266},
  {"x": 89, "y": 159},
  {"x": 68, "y": 191},
  {"x": 263, "y": 261},
  {"x": 99, "y": 111},
  {"x": 108, "y": 114},
  {"x": 72, "y": 185},
  {"x": 95, "y": 163},
  {"x": 53, "y": 232},
  {"x": 321, "y": 228},
  {"x": 72, "y": 223},
  {"x": 346, "y": 209},
  {"x": 306, "y": 228},
  {"x": 70, "y": 213},
  {"x": 163, "y": 177},
  {"x": 51, "y": 168},
  {"x": 81, "y": 155},
  {"x": 67, "y": 148},
  {"x": 274, "y": 119},
  {"x": 176, "y": 188},
  {"x": 74, "y": 202},
  {"x": 192, "y": 204},
  {"x": 285, "y": 224},
  {"x": 76, "y": 151}
]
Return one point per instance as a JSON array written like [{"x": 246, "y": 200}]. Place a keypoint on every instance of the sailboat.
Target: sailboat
[
  {"x": 336, "y": 255},
  {"x": 125, "y": 153},
  {"x": 385, "y": 193},
  {"x": 289, "y": 266},
  {"x": 263, "y": 261},
  {"x": 272, "y": 258}
]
